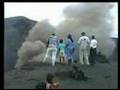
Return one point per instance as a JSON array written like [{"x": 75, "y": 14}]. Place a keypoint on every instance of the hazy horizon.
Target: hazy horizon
[{"x": 51, "y": 11}]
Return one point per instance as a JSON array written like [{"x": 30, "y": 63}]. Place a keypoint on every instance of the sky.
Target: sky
[
  {"x": 114, "y": 13},
  {"x": 37, "y": 11},
  {"x": 53, "y": 12}
]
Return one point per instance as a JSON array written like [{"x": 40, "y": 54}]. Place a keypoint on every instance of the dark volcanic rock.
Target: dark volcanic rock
[{"x": 16, "y": 29}]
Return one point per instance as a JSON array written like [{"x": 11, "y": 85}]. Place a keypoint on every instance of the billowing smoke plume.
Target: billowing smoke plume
[
  {"x": 34, "y": 47},
  {"x": 41, "y": 31},
  {"x": 93, "y": 19},
  {"x": 30, "y": 49}
]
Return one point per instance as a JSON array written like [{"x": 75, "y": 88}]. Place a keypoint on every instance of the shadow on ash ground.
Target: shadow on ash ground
[{"x": 103, "y": 76}]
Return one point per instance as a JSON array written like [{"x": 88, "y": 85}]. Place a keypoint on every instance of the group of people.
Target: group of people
[
  {"x": 86, "y": 45},
  {"x": 66, "y": 49},
  {"x": 55, "y": 46}
]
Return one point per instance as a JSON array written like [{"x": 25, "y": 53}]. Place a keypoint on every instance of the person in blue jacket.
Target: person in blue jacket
[{"x": 69, "y": 48}]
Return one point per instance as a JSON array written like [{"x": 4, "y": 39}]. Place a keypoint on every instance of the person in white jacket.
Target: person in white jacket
[
  {"x": 52, "y": 47},
  {"x": 93, "y": 47},
  {"x": 83, "y": 48}
]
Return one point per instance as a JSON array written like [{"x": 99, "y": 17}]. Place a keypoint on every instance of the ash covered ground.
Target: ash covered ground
[{"x": 102, "y": 76}]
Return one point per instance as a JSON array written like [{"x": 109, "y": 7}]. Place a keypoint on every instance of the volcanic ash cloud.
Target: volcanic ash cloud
[
  {"x": 34, "y": 47},
  {"x": 93, "y": 19}
]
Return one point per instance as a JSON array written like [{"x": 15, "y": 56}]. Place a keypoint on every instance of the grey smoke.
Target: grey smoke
[
  {"x": 91, "y": 18},
  {"x": 34, "y": 47},
  {"x": 41, "y": 31},
  {"x": 30, "y": 49}
]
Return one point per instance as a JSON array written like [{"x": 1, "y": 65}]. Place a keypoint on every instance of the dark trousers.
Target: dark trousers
[
  {"x": 69, "y": 61},
  {"x": 92, "y": 56}
]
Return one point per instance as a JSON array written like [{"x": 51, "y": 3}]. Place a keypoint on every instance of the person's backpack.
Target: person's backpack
[
  {"x": 41, "y": 85},
  {"x": 52, "y": 41}
]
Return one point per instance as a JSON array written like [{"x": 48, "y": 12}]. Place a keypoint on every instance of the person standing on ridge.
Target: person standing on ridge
[
  {"x": 93, "y": 46},
  {"x": 52, "y": 48},
  {"x": 83, "y": 48},
  {"x": 69, "y": 48},
  {"x": 61, "y": 48}
]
